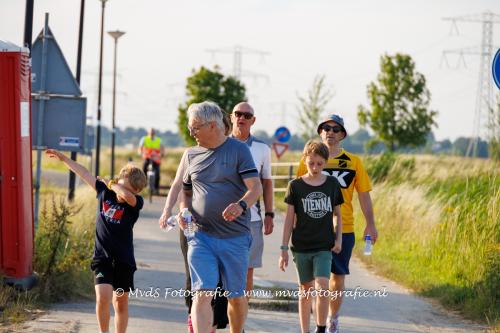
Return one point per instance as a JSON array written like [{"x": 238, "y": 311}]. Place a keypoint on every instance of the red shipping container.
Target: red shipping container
[{"x": 16, "y": 203}]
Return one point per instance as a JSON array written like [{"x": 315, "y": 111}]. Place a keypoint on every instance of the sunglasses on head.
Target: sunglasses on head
[
  {"x": 328, "y": 128},
  {"x": 246, "y": 115}
]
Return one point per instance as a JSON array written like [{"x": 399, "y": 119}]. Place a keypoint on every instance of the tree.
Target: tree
[
  {"x": 207, "y": 85},
  {"x": 399, "y": 99},
  {"x": 312, "y": 107}
]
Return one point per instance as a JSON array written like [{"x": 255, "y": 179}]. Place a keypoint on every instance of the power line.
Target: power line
[
  {"x": 484, "y": 94},
  {"x": 238, "y": 51}
]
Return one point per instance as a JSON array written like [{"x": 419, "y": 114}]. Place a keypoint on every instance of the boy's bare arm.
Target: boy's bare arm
[
  {"x": 288, "y": 227},
  {"x": 338, "y": 214},
  {"x": 79, "y": 169},
  {"x": 121, "y": 191},
  {"x": 287, "y": 232}
]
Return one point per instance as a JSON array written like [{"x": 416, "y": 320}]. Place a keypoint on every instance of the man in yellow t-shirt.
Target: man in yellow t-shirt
[{"x": 351, "y": 174}]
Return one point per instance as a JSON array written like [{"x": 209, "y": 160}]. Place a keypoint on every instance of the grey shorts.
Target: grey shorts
[{"x": 257, "y": 248}]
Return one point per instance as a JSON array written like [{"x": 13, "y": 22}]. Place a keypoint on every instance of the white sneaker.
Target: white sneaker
[{"x": 332, "y": 324}]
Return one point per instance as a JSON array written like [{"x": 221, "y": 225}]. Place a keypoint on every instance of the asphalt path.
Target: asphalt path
[{"x": 160, "y": 266}]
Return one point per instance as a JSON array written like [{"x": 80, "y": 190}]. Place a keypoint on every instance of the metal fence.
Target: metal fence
[{"x": 282, "y": 173}]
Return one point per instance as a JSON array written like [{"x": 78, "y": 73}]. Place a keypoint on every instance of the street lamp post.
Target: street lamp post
[
  {"x": 99, "y": 96},
  {"x": 115, "y": 34}
]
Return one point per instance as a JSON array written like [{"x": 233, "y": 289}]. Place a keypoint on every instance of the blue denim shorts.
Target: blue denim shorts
[{"x": 209, "y": 256}]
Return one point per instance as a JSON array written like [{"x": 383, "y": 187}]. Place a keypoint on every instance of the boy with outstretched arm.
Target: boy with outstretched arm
[
  {"x": 314, "y": 200},
  {"x": 113, "y": 262}
]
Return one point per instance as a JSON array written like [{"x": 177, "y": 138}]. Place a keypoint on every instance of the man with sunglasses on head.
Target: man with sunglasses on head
[
  {"x": 351, "y": 174},
  {"x": 242, "y": 120}
]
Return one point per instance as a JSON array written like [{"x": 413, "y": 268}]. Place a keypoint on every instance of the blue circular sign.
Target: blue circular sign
[
  {"x": 282, "y": 134},
  {"x": 496, "y": 68}
]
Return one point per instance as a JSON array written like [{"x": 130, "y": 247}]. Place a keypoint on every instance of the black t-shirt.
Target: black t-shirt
[
  {"x": 114, "y": 223},
  {"x": 314, "y": 207}
]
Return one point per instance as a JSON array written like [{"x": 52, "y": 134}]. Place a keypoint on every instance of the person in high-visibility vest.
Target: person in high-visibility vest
[{"x": 151, "y": 150}]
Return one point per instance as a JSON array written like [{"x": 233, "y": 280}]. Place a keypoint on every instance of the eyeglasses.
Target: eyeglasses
[
  {"x": 246, "y": 115},
  {"x": 328, "y": 128},
  {"x": 195, "y": 129}
]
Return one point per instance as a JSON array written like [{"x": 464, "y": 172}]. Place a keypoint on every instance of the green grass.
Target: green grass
[{"x": 439, "y": 226}]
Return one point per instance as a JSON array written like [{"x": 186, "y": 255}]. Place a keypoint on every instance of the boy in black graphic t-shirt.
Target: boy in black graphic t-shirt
[
  {"x": 314, "y": 199},
  {"x": 113, "y": 261}
]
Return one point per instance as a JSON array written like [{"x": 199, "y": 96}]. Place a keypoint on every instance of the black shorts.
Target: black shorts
[
  {"x": 108, "y": 271},
  {"x": 340, "y": 261}
]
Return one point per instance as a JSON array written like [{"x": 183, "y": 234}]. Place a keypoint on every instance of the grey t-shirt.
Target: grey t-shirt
[{"x": 216, "y": 178}]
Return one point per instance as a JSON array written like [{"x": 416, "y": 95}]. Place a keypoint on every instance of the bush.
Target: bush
[{"x": 63, "y": 253}]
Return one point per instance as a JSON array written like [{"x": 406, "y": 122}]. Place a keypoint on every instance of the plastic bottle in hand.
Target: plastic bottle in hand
[
  {"x": 189, "y": 231},
  {"x": 368, "y": 246},
  {"x": 171, "y": 223}
]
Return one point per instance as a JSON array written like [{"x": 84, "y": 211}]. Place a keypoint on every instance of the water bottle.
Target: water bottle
[
  {"x": 186, "y": 215},
  {"x": 171, "y": 223},
  {"x": 368, "y": 246}
]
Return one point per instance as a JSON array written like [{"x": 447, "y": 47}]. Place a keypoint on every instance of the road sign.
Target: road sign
[
  {"x": 279, "y": 148},
  {"x": 282, "y": 134},
  {"x": 58, "y": 108},
  {"x": 496, "y": 68},
  {"x": 59, "y": 79},
  {"x": 63, "y": 118}
]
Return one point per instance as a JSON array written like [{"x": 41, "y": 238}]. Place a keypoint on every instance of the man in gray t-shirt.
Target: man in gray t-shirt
[
  {"x": 216, "y": 177},
  {"x": 220, "y": 183}
]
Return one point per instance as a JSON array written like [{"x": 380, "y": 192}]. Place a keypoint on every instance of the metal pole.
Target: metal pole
[
  {"x": 71, "y": 185},
  {"x": 115, "y": 34},
  {"x": 113, "y": 128},
  {"x": 99, "y": 96},
  {"x": 28, "y": 24},
  {"x": 41, "y": 109}
]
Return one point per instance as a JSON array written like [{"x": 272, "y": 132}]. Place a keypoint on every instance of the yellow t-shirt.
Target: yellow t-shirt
[{"x": 350, "y": 173}]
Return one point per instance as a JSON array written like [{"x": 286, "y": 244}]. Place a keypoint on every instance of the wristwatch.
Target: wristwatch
[
  {"x": 270, "y": 214},
  {"x": 243, "y": 205},
  {"x": 284, "y": 247}
]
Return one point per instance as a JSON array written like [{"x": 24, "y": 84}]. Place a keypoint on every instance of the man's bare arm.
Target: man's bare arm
[
  {"x": 122, "y": 192},
  {"x": 365, "y": 201},
  {"x": 254, "y": 191},
  {"x": 267, "y": 187}
]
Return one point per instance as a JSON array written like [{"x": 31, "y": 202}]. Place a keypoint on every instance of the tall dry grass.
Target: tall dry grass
[{"x": 439, "y": 225}]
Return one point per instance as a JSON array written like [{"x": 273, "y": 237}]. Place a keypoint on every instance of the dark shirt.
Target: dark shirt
[
  {"x": 114, "y": 223},
  {"x": 314, "y": 207}
]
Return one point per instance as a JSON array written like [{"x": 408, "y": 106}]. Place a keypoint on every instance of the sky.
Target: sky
[{"x": 343, "y": 40}]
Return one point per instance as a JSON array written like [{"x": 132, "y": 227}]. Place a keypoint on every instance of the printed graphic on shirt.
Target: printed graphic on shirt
[
  {"x": 112, "y": 213},
  {"x": 345, "y": 177},
  {"x": 317, "y": 205}
]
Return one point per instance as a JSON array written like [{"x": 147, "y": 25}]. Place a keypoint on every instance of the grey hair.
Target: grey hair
[{"x": 206, "y": 112}]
